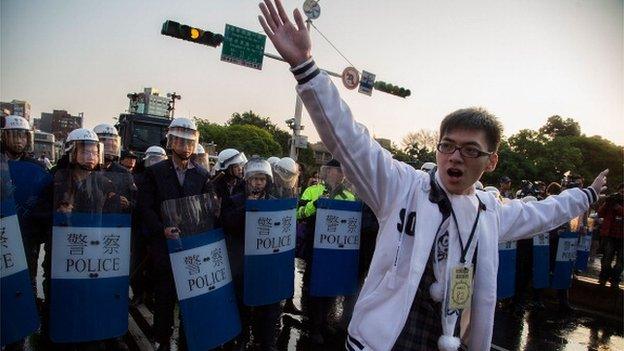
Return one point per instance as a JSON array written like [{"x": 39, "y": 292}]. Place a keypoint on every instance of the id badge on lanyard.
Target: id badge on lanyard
[
  {"x": 461, "y": 275},
  {"x": 461, "y": 287}
]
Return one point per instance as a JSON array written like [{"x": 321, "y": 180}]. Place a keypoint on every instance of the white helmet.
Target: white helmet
[
  {"x": 229, "y": 157},
  {"x": 153, "y": 155},
  {"x": 82, "y": 136},
  {"x": 14, "y": 122},
  {"x": 273, "y": 160},
  {"x": 258, "y": 165},
  {"x": 155, "y": 151},
  {"x": 286, "y": 168},
  {"x": 200, "y": 149},
  {"x": 109, "y": 136},
  {"x": 478, "y": 185},
  {"x": 184, "y": 128},
  {"x": 17, "y": 126},
  {"x": 427, "y": 166},
  {"x": 105, "y": 130}
]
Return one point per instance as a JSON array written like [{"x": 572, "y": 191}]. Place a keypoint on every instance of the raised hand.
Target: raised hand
[
  {"x": 293, "y": 43},
  {"x": 600, "y": 182}
]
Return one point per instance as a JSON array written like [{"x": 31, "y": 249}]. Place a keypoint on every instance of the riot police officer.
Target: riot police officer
[
  {"x": 261, "y": 319},
  {"x": 229, "y": 179},
  {"x": 107, "y": 134},
  {"x": 201, "y": 157},
  {"x": 173, "y": 178},
  {"x": 332, "y": 187},
  {"x": 30, "y": 178}
]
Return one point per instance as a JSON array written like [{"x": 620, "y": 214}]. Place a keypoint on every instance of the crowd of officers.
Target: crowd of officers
[{"x": 182, "y": 170}]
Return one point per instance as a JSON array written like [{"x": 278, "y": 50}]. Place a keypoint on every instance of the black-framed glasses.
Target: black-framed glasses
[{"x": 469, "y": 151}]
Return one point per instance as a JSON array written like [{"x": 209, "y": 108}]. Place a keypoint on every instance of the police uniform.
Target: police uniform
[{"x": 162, "y": 183}]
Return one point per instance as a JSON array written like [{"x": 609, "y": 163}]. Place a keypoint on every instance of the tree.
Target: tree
[
  {"x": 556, "y": 126},
  {"x": 420, "y": 155},
  {"x": 250, "y": 118},
  {"x": 597, "y": 155},
  {"x": 249, "y": 139},
  {"x": 425, "y": 138}
]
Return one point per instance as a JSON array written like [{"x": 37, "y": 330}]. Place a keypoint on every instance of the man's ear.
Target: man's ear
[{"x": 492, "y": 162}]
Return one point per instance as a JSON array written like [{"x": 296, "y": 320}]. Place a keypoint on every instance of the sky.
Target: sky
[{"x": 523, "y": 60}]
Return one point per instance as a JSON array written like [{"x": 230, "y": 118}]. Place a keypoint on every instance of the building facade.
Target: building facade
[
  {"x": 149, "y": 102},
  {"x": 59, "y": 123},
  {"x": 16, "y": 107}
]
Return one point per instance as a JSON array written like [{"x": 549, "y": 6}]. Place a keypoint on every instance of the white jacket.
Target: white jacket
[{"x": 388, "y": 186}]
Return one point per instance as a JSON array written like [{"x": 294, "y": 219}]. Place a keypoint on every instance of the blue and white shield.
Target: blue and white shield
[
  {"x": 541, "y": 261},
  {"x": 90, "y": 258},
  {"x": 18, "y": 314},
  {"x": 506, "y": 278},
  {"x": 582, "y": 252},
  {"x": 270, "y": 238},
  {"x": 336, "y": 248},
  {"x": 29, "y": 179},
  {"x": 201, "y": 272},
  {"x": 564, "y": 263}
]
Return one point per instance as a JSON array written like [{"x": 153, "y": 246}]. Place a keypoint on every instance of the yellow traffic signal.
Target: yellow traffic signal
[{"x": 194, "y": 33}]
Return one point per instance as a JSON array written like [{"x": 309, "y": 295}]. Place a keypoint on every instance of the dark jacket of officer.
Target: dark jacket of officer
[{"x": 160, "y": 184}]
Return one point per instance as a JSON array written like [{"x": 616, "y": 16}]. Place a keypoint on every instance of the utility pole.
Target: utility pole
[{"x": 173, "y": 96}]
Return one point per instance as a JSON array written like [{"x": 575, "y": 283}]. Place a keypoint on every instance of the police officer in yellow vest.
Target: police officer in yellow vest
[{"x": 332, "y": 186}]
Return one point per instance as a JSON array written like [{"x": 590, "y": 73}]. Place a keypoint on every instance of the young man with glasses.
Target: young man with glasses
[{"x": 432, "y": 279}]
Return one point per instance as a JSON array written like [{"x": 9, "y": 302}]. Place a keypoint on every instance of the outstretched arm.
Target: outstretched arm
[
  {"x": 377, "y": 177},
  {"x": 521, "y": 220}
]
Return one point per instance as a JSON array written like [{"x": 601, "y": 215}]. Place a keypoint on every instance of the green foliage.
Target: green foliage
[
  {"x": 556, "y": 126},
  {"x": 250, "y": 118},
  {"x": 250, "y": 139}
]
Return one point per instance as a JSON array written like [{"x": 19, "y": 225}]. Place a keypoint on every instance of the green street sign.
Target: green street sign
[{"x": 243, "y": 47}]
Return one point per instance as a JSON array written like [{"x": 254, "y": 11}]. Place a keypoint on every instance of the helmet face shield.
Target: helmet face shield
[
  {"x": 153, "y": 159},
  {"x": 87, "y": 154},
  {"x": 112, "y": 145},
  {"x": 182, "y": 147},
  {"x": 183, "y": 133},
  {"x": 257, "y": 183},
  {"x": 18, "y": 141}
]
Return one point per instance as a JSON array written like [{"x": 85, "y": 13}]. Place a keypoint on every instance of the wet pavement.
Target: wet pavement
[{"x": 531, "y": 329}]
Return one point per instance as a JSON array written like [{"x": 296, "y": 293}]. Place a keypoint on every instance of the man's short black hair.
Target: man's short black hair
[{"x": 474, "y": 118}]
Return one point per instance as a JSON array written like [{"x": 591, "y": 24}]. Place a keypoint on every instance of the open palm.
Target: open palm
[{"x": 293, "y": 43}]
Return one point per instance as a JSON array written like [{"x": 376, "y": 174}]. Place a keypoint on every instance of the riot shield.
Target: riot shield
[
  {"x": 584, "y": 246},
  {"x": 90, "y": 256},
  {"x": 541, "y": 261},
  {"x": 506, "y": 277},
  {"x": 19, "y": 316},
  {"x": 564, "y": 262},
  {"x": 336, "y": 248},
  {"x": 201, "y": 272},
  {"x": 270, "y": 238}
]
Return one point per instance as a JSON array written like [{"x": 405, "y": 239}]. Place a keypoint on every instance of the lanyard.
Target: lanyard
[{"x": 464, "y": 249}]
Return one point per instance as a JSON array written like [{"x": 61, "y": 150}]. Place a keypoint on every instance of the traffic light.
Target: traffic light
[
  {"x": 392, "y": 89},
  {"x": 196, "y": 35}
]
